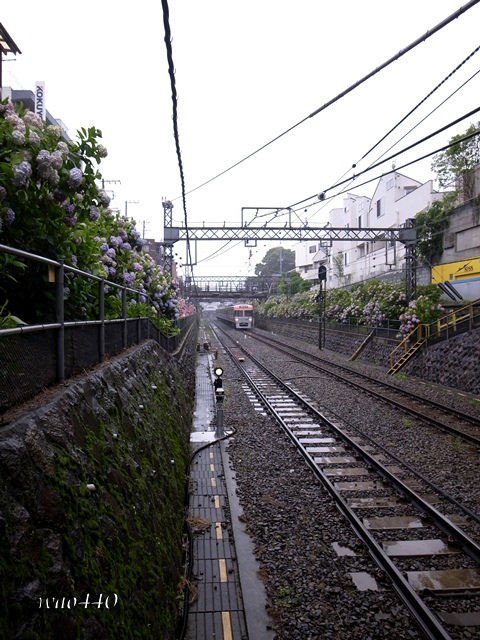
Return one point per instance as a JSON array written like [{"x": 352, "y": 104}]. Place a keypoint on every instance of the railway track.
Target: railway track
[
  {"x": 432, "y": 563},
  {"x": 467, "y": 427}
]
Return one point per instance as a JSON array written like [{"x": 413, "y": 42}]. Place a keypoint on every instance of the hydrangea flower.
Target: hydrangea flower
[
  {"x": 104, "y": 247},
  {"x": 18, "y": 137},
  {"x": 93, "y": 213},
  {"x": 57, "y": 160},
  {"x": 34, "y": 138},
  {"x": 32, "y": 120},
  {"x": 70, "y": 221},
  {"x": 115, "y": 241},
  {"x": 3, "y": 193},
  {"x": 9, "y": 216},
  {"x": 126, "y": 246},
  {"x": 21, "y": 174},
  {"x": 104, "y": 198},
  {"x": 102, "y": 151},
  {"x": 128, "y": 279},
  {"x": 75, "y": 178}
]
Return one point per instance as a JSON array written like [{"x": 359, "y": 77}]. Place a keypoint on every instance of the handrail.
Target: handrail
[{"x": 434, "y": 329}]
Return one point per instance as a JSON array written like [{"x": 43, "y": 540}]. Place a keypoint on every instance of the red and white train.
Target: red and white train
[{"x": 239, "y": 316}]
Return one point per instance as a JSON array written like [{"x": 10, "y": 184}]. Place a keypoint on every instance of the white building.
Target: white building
[{"x": 395, "y": 199}]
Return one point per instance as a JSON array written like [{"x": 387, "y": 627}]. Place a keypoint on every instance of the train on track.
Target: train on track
[{"x": 240, "y": 316}]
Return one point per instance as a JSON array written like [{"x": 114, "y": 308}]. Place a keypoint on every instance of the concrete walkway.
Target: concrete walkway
[{"x": 229, "y": 599}]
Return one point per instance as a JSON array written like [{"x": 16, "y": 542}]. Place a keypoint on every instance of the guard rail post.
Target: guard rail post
[
  {"x": 60, "y": 315},
  {"x": 101, "y": 307},
  {"x": 139, "y": 320},
  {"x": 124, "y": 316}
]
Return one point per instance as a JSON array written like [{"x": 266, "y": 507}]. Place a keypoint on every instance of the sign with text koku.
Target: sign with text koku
[{"x": 40, "y": 109}]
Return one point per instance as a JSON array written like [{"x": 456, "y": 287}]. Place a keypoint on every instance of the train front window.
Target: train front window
[{"x": 249, "y": 313}]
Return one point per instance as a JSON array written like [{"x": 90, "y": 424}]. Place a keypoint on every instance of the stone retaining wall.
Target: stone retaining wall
[
  {"x": 453, "y": 363},
  {"x": 92, "y": 485}
]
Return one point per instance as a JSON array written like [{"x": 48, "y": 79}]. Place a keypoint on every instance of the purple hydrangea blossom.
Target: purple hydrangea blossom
[
  {"x": 104, "y": 247},
  {"x": 70, "y": 221},
  {"x": 66, "y": 292},
  {"x": 142, "y": 299},
  {"x": 128, "y": 278},
  {"x": 126, "y": 246},
  {"x": 32, "y": 120},
  {"x": 73, "y": 260},
  {"x": 69, "y": 208},
  {"x": 57, "y": 160},
  {"x": 112, "y": 271},
  {"x": 115, "y": 241},
  {"x": 18, "y": 137},
  {"x": 10, "y": 216},
  {"x": 104, "y": 198},
  {"x": 75, "y": 177},
  {"x": 111, "y": 253},
  {"x": 3, "y": 193},
  {"x": 93, "y": 213},
  {"x": 34, "y": 138},
  {"x": 102, "y": 151},
  {"x": 137, "y": 266},
  {"x": 21, "y": 174}
]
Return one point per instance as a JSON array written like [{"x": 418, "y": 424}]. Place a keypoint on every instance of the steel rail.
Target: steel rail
[
  {"x": 411, "y": 410},
  {"x": 426, "y": 619}
]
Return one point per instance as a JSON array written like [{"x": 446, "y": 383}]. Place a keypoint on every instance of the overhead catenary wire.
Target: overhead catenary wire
[
  {"x": 459, "y": 66},
  {"x": 411, "y": 146},
  {"x": 428, "y": 34},
  {"x": 378, "y": 177}
]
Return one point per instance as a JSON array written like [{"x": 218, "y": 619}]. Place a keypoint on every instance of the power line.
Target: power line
[
  {"x": 421, "y": 102},
  {"x": 411, "y": 146},
  {"x": 405, "y": 117},
  {"x": 407, "y": 164},
  {"x": 356, "y": 84},
  {"x": 171, "y": 72}
]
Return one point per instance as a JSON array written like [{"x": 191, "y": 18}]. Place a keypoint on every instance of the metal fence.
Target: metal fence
[
  {"x": 388, "y": 328},
  {"x": 34, "y": 357}
]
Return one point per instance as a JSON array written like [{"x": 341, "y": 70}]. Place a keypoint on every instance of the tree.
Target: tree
[
  {"x": 430, "y": 225},
  {"x": 276, "y": 261},
  {"x": 455, "y": 167},
  {"x": 297, "y": 283}
]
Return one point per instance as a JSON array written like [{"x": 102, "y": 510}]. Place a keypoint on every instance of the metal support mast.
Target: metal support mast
[
  {"x": 411, "y": 260},
  {"x": 167, "y": 245}
]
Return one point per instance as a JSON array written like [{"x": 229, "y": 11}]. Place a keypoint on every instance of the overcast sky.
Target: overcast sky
[{"x": 245, "y": 72}]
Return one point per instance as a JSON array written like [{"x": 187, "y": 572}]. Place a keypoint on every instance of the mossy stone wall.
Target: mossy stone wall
[{"x": 124, "y": 429}]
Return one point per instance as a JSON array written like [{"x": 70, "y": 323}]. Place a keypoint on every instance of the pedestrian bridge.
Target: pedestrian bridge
[{"x": 216, "y": 287}]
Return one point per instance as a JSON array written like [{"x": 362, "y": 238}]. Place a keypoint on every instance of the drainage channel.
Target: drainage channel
[{"x": 433, "y": 564}]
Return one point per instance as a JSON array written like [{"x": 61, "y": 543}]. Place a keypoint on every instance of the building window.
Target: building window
[
  {"x": 380, "y": 210},
  {"x": 359, "y": 222},
  {"x": 389, "y": 183},
  {"x": 345, "y": 258},
  {"x": 312, "y": 248}
]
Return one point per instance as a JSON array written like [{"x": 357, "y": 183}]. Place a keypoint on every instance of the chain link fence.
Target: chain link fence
[{"x": 35, "y": 357}]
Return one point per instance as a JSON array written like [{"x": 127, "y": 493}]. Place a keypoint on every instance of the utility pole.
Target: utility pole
[{"x": 127, "y": 202}]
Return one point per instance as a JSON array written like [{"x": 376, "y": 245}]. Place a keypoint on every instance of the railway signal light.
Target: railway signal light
[{"x": 218, "y": 384}]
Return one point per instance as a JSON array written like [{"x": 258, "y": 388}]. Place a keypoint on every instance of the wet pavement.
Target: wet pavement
[{"x": 227, "y": 598}]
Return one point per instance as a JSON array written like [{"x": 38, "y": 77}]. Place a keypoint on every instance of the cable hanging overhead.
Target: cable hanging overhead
[
  {"x": 171, "y": 72},
  {"x": 428, "y": 34}
]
